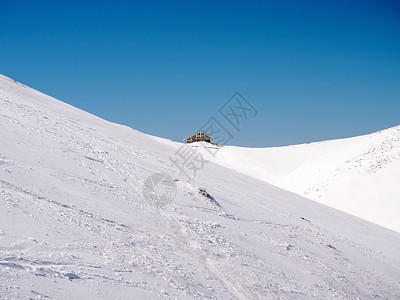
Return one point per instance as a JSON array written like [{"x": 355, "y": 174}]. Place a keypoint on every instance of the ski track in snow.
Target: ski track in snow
[{"x": 75, "y": 225}]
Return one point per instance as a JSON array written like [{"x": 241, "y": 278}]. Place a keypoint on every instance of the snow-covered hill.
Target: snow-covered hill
[
  {"x": 75, "y": 224},
  {"x": 358, "y": 175}
]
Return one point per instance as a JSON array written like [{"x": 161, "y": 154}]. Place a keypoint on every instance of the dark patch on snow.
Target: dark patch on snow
[
  {"x": 203, "y": 192},
  {"x": 12, "y": 265},
  {"x": 93, "y": 159},
  {"x": 72, "y": 276},
  {"x": 305, "y": 219}
]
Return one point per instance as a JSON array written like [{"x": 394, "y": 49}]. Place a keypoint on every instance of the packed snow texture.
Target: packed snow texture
[{"x": 74, "y": 223}]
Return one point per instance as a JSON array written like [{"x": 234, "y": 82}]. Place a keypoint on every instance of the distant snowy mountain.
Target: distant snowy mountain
[
  {"x": 77, "y": 219},
  {"x": 359, "y": 175}
]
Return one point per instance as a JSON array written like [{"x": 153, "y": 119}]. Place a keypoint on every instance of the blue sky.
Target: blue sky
[{"x": 314, "y": 70}]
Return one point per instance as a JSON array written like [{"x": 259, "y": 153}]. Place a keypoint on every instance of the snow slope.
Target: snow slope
[
  {"x": 74, "y": 223},
  {"x": 357, "y": 175}
]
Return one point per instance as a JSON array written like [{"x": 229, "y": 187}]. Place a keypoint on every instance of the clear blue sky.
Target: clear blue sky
[{"x": 314, "y": 70}]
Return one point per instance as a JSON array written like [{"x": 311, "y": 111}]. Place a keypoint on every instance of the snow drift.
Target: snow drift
[{"x": 357, "y": 175}]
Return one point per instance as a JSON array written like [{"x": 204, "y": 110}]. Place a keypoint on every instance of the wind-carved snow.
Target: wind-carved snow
[
  {"x": 74, "y": 223},
  {"x": 380, "y": 154}
]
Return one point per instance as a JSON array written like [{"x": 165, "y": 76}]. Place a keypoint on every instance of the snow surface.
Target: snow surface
[
  {"x": 359, "y": 175},
  {"x": 74, "y": 223}
]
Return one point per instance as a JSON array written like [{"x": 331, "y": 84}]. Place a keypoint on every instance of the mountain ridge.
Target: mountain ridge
[
  {"x": 357, "y": 175},
  {"x": 75, "y": 223}
]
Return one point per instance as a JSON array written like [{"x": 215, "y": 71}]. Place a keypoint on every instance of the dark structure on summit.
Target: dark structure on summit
[{"x": 199, "y": 136}]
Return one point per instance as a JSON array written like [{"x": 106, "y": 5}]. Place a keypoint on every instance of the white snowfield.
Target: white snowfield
[
  {"x": 359, "y": 175},
  {"x": 74, "y": 223}
]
